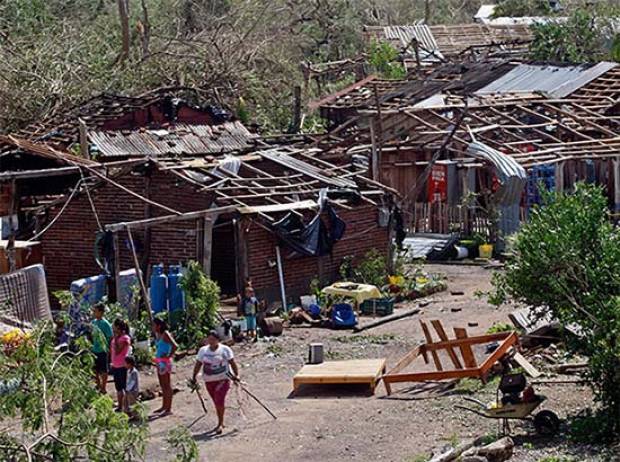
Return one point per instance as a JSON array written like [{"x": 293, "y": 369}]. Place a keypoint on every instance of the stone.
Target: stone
[
  {"x": 498, "y": 451},
  {"x": 473, "y": 459}
]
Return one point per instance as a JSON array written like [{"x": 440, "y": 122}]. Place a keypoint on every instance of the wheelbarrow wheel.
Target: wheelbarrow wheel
[{"x": 546, "y": 423}]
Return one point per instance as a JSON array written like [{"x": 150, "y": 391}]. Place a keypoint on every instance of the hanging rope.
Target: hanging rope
[
  {"x": 55, "y": 219},
  {"x": 90, "y": 200}
]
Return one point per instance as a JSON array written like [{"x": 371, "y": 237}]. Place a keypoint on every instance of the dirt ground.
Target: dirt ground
[{"x": 327, "y": 423}]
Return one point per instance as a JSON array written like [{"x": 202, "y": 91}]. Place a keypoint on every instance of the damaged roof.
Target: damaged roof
[
  {"x": 554, "y": 81},
  {"x": 114, "y": 111},
  {"x": 172, "y": 140}
]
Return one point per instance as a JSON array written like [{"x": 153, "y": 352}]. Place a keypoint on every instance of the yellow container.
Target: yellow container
[{"x": 485, "y": 251}]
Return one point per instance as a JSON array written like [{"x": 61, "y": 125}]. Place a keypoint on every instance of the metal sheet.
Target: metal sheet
[
  {"x": 556, "y": 81},
  {"x": 180, "y": 139},
  {"x": 421, "y": 33}
]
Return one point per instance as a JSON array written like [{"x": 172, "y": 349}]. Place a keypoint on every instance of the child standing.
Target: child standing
[
  {"x": 132, "y": 387},
  {"x": 164, "y": 352},
  {"x": 119, "y": 349},
  {"x": 101, "y": 334},
  {"x": 250, "y": 307}
]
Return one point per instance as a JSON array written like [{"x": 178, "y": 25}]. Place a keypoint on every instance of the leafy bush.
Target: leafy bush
[
  {"x": 500, "y": 327},
  {"x": 181, "y": 440},
  {"x": 567, "y": 261},
  {"x": 202, "y": 297},
  {"x": 373, "y": 269},
  {"x": 587, "y": 36},
  {"x": 520, "y": 8},
  {"x": 61, "y": 415},
  {"x": 383, "y": 58}
]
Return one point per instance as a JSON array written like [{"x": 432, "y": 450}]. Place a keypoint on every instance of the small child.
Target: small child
[
  {"x": 133, "y": 386},
  {"x": 62, "y": 335},
  {"x": 250, "y": 307}
]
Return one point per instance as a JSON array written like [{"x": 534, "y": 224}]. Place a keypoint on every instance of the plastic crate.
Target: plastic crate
[{"x": 378, "y": 306}]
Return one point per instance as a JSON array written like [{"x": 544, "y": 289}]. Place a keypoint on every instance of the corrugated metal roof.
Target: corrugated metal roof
[
  {"x": 556, "y": 81},
  {"x": 179, "y": 139},
  {"x": 421, "y": 33}
]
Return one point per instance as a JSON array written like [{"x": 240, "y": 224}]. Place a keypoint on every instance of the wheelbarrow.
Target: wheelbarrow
[{"x": 516, "y": 405}]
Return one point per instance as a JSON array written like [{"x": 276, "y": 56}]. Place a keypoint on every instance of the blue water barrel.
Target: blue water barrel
[
  {"x": 176, "y": 296},
  {"x": 89, "y": 290},
  {"x": 157, "y": 291}
]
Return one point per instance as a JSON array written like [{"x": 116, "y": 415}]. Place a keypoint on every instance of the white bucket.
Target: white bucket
[{"x": 461, "y": 252}]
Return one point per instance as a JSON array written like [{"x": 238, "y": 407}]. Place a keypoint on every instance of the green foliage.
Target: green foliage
[
  {"x": 567, "y": 261},
  {"x": 520, "y": 8},
  {"x": 582, "y": 38},
  {"x": 181, "y": 441},
  {"x": 64, "y": 297},
  {"x": 202, "y": 300},
  {"x": 373, "y": 269},
  {"x": 383, "y": 58},
  {"x": 61, "y": 414},
  {"x": 500, "y": 327}
]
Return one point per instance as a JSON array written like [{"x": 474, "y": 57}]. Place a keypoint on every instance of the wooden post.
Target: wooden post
[
  {"x": 115, "y": 294},
  {"x": 83, "y": 139},
  {"x": 281, "y": 278},
  {"x": 13, "y": 210},
  {"x": 374, "y": 164},
  {"x": 296, "y": 126},
  {"x": 616, "y": 164},
  {"x": 241, "y": 254},
  {"x": 145, "y": 292},
  {"x": 207, "y": 244}
]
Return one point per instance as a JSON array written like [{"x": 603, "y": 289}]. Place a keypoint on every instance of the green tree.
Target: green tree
[
  {"x": 567, "y": 262},
  {"x": 586, "y": 36},
  {"x": 61, "y": 416},
  {"x": 202, "y": 301},
  {"x": 383, "y": 57}
]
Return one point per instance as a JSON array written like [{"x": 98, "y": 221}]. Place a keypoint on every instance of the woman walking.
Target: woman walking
[
  {"x": 216, "y": 360},
  {"x": 119, "y": 349},
  {"x": 165, "y": 346}
]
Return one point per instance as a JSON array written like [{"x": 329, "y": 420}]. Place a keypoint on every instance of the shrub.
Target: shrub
[
  {"x": 202, "y": 297},
  {"x": 567, "y": 261}
]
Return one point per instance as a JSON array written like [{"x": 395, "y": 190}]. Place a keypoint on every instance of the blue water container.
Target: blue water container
[
  {"x": 158, "y": 289},
  {"x": 176, "y": 296},
  {"x": 89, "y": 290}
]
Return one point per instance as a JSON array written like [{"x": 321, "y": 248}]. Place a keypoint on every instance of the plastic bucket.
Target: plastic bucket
[
  {"x": 461, "y": 252},
  {"x": 486, "y": 251}
]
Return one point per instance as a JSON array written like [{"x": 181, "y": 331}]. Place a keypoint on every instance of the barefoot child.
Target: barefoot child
[
  {"x": 133, "y": 386},
  {"x": 119, "y": 349},
  {"x": 165, "y": 348},
  {"x": 250, "y": 307}
]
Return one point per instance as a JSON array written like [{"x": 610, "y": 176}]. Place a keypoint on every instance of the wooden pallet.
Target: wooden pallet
[
  {"x": 464, "y": 364},
  {"x": 364, "y": 371}
]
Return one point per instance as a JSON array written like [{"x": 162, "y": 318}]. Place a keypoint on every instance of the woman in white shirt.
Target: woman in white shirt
[{"x": 216, "y": 360}]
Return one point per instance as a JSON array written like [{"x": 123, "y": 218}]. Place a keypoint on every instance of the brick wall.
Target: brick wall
[
  {"x": 68, "y": 246},
  {"x": 362, "y": 234}
]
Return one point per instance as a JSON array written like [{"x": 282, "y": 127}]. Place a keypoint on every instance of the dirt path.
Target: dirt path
[{"x": 340, "y": 424}]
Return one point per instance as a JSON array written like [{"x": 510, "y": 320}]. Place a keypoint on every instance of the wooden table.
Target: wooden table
[{"x": 367, "y": 371}]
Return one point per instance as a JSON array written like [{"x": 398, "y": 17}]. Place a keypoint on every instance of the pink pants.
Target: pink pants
[{"x": 217, "y": 391}]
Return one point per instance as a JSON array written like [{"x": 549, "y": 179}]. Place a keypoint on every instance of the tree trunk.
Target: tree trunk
[{"x": 123, "y": 13}]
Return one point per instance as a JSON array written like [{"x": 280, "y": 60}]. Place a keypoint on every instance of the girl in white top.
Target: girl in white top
[{"x": 216, "y": 360}]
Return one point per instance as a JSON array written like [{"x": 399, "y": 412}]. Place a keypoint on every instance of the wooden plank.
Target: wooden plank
[
  {"x": 468, "y": 355},
  {"x": 207, "y": 243},
  {"x": 306, "y": 204},
  {"x": 526, "y": 365},
  {"x": 436, "y": 375},
  {"x": 429, "y": 341},
  {"x": 499, "y": 352},
  {"x": 436, "y": 323},
  {"x": 481, "y": 339},
  {"x": 364, "y": 371},
  {"x": 170, "y": 218},
  {"x": 406, "y": 360}
]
